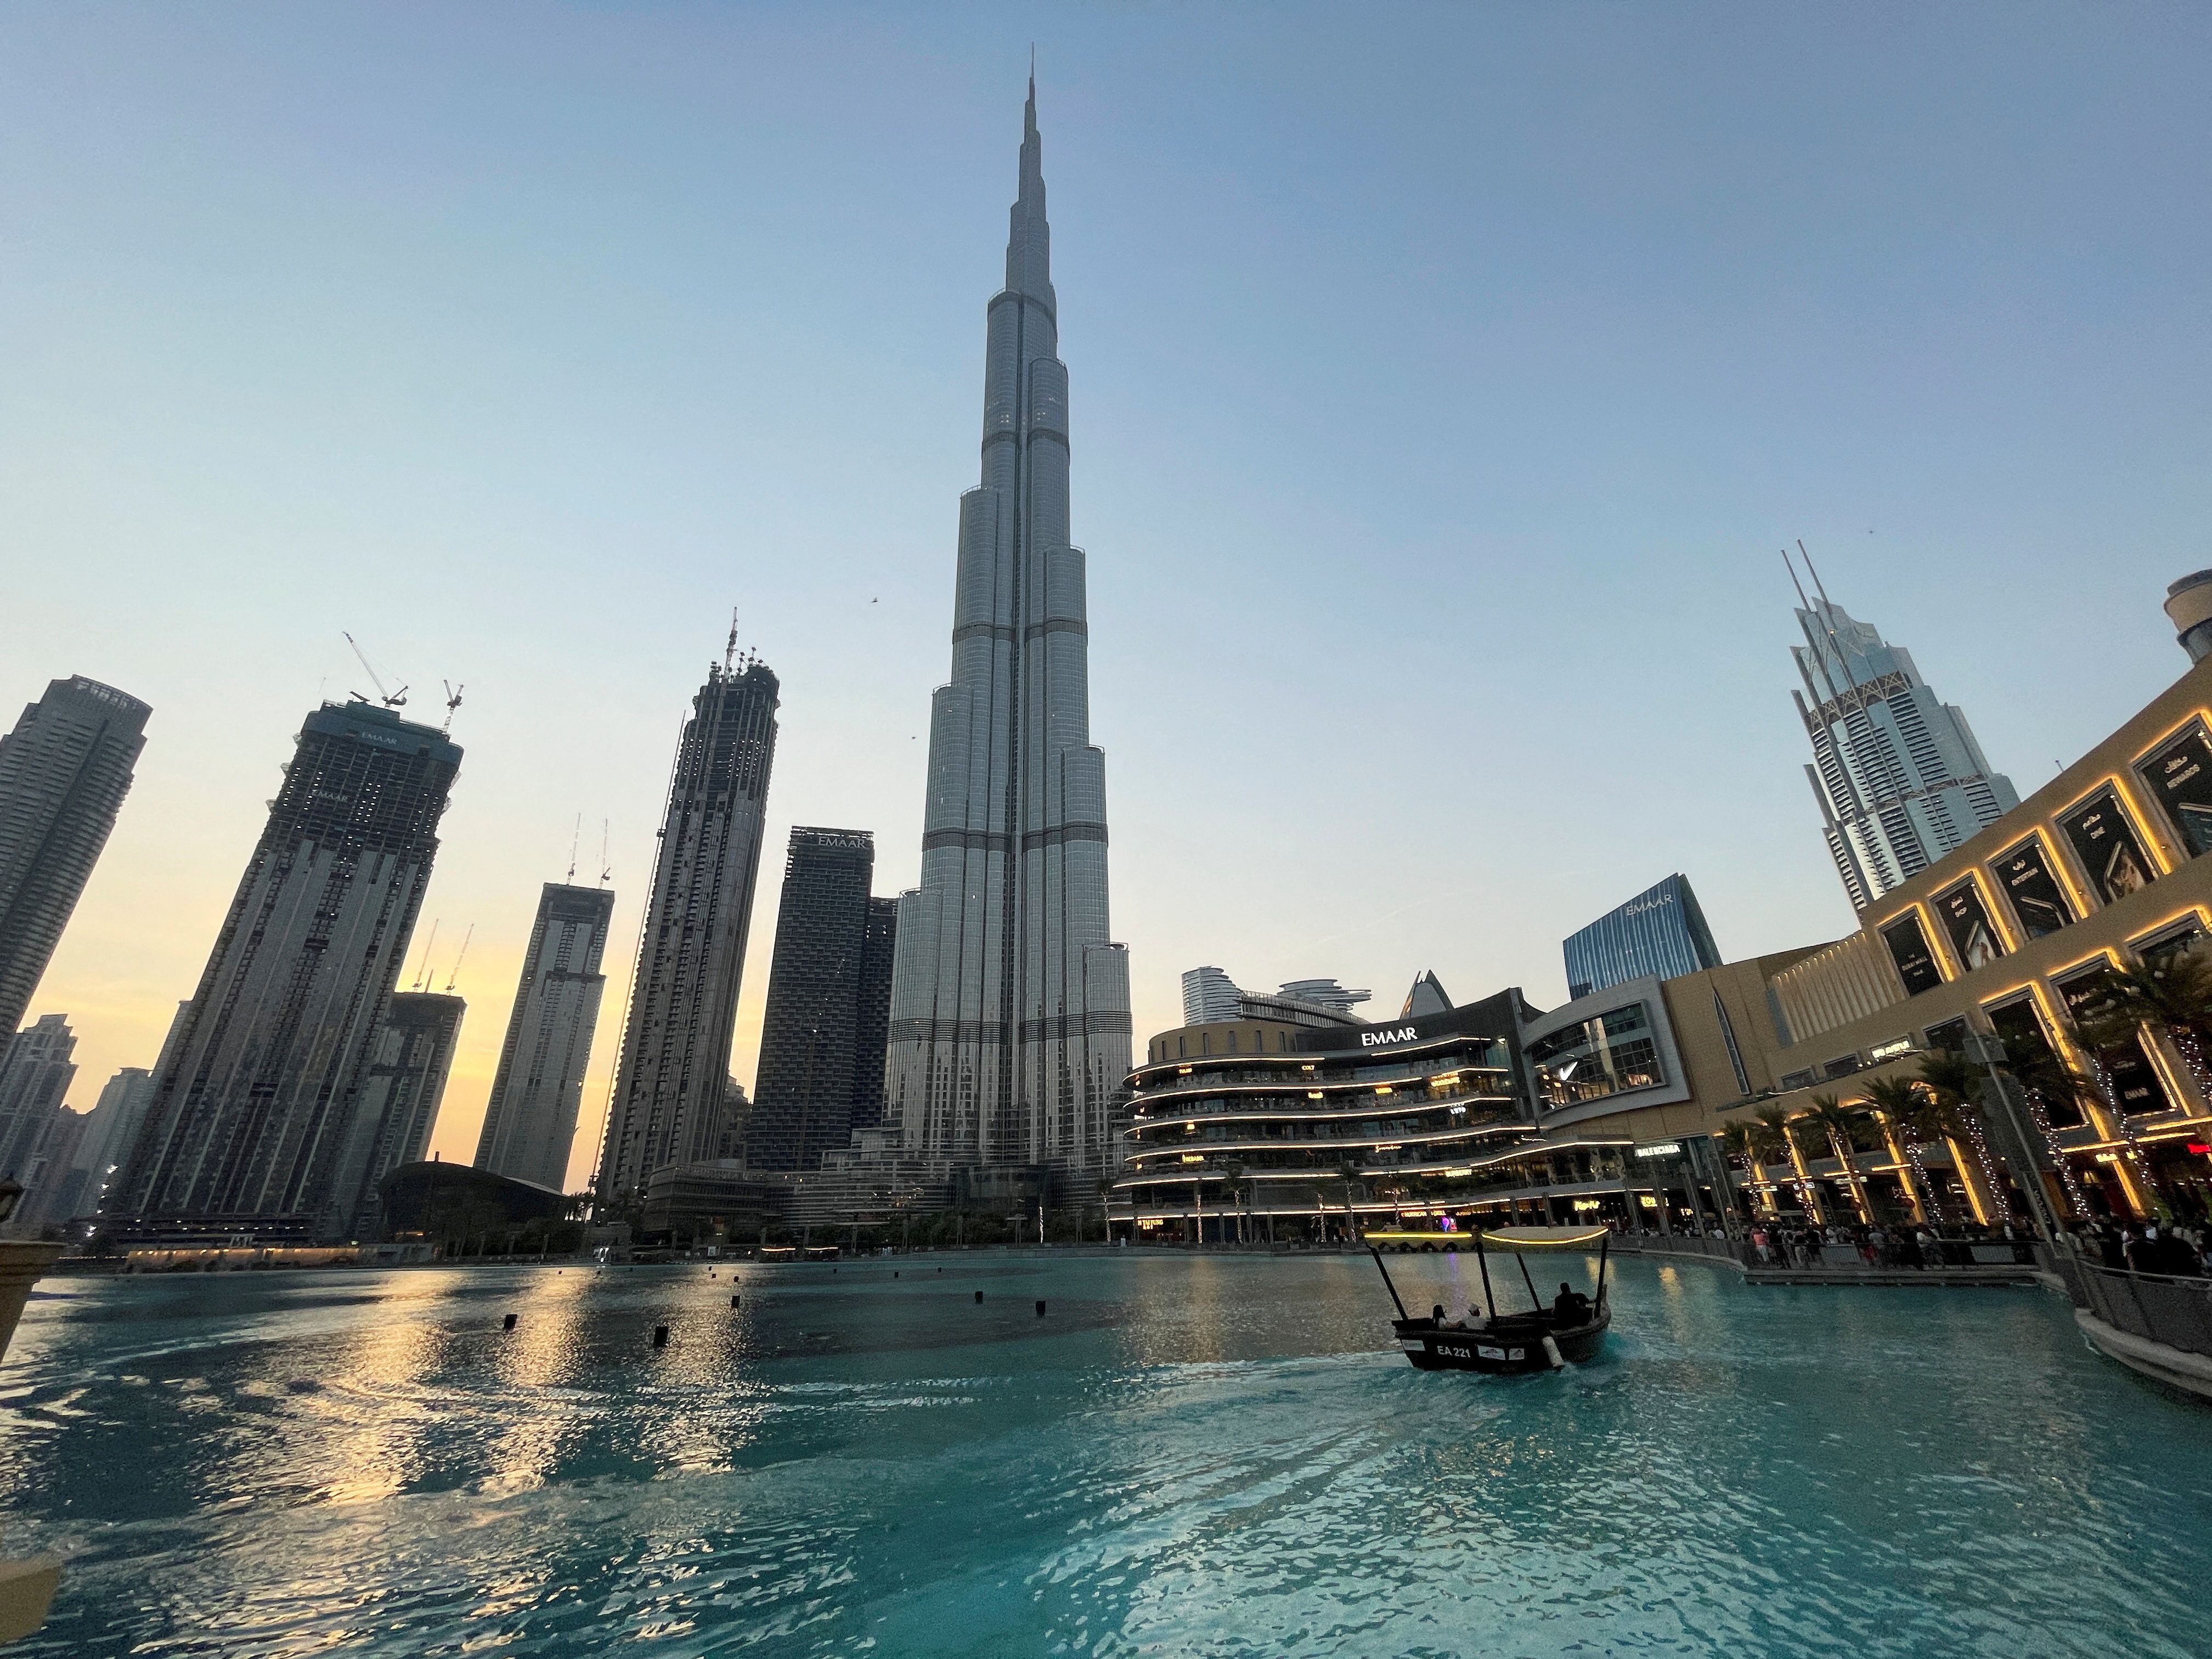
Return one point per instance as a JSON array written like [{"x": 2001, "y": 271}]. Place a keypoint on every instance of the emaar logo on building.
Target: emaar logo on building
[{"x": 1376, "y": 1039}]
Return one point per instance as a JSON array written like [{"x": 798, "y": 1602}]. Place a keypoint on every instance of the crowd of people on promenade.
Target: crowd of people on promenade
[
  {"x": 2180, "y": 1249},
  {"x": 1805, "y": 1244}
]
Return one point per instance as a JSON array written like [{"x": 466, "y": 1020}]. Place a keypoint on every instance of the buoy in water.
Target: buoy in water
[
  {"x": 1040, "y": 1310},
  {"x": 978, "y": 1296},
  {"x": 509, "y": 1324},
  {"x": 660, "y": 1336},
  {"x": 733, "y": 1301}
]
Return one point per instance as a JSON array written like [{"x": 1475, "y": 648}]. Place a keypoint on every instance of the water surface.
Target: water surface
[{"x": 1184, "y": 1457}]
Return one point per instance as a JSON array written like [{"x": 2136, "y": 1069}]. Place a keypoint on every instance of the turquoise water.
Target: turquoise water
[{"x": 1186, "y": 1456}]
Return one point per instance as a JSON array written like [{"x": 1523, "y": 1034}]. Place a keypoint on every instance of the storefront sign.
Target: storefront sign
[
  {"x": 1660, "y": 1149},
  {"x": 1966, "y": 919},
  {"x": 2179, "y": 773},
  {"x": 1382, "y": 1039},
  {"x": 2037, "y": 898},
  {"x": 1908, "y": 948},
  {"x": 2105, "y": 842},
  {"x": 1890, "y": 1050}
]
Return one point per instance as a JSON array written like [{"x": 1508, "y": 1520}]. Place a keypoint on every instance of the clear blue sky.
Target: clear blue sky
[{"x": 1444, "y": 381}]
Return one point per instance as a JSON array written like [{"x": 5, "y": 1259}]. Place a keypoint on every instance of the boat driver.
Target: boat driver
[{"x": 1570, "y": 1307}]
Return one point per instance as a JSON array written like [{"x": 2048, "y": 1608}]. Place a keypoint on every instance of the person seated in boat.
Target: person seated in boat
[
  {"x": 1570, "y": 1307},
  {"x": 1436, "y": 1316}
]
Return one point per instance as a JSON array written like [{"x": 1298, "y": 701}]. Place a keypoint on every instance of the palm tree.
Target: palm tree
[
  {"x": 1895, "y": 1101},
  {"x": 1778, "y": 1123},
  {"x": 1953, "y": 1086},
  {"x": 1740, "y": 1141},
  {"x": 2046, "y": 1079},
  {"x": 2172, "y": 995},
  {"x": 1838, "y": 1121}
]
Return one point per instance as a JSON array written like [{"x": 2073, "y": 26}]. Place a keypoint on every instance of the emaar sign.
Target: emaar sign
[{"x": 1383, "y": 1039}]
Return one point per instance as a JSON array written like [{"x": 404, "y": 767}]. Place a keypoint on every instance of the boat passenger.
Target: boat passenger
[{"x": 1570, "y": 1307}]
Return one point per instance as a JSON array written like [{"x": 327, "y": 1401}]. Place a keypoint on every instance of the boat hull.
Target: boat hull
[{"x": 1508, "y": 1348}]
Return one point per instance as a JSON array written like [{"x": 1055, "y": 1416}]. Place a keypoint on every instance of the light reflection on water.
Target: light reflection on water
[{"x": 1209, "y": 1455}]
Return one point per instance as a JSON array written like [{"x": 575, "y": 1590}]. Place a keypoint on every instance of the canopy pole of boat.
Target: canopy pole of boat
[
  {"x": 1482, "y": 1260},
  {"x": 1534, "y": 1300},
  {"x": 1603, "y": 1245},
  {"x": 1387, "y": 1285}
]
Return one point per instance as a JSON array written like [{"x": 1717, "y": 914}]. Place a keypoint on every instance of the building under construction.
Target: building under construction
[{"x": 670, "y": 1081}]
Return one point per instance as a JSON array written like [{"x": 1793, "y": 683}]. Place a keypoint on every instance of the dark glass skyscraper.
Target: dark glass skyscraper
[
  {"x": 252, "y": 1127},
  {"x": 829, "y": 1005},
  {"x": 64, "y": 772},
  {"x": 1661, "y": 931},
  {"x": 402, "y": 1088},
  {"x": 670, "y": 1082},
  {"x": 530, "y": 1123},
  {"x": 1010, "y": 1005}
]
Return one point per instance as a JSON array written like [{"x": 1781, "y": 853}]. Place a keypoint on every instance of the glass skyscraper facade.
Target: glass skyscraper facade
[
  {"x": 824, "y": 1028},
  {"x": 1010, "y": 1002},
  {"x": 64, "y": 772},
  {"x": 1661, "y": 931},
  {"x": 1900, "y": 778}
]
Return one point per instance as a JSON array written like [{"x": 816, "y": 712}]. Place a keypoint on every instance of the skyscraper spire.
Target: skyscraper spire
[{"x": 1010, "y": 1005}]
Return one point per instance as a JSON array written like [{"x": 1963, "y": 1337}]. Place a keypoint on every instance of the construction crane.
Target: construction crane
[
  {"x": 457, "y": 955},
  {"x": 390, "y": 700},
  {"x": 453, "y": 702}
]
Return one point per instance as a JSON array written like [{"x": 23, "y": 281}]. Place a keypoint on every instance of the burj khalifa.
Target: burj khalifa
[{"x": 1010, "y": 1003}]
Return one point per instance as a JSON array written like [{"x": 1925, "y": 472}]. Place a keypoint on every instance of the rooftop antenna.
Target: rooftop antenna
[
  {"x": 424, "y": 967},
  {"x": 390, "y": 700},
  {"x": 606, "y": 870},
  {"x": 730, "y": 649},
  {"x": 576, "y": 836},
  {"x": 453, "y": 702},
  {"x": 457, "y": 955}
]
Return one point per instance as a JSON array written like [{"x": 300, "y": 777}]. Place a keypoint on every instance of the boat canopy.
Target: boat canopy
[{"x": 1543, "y": 1238}]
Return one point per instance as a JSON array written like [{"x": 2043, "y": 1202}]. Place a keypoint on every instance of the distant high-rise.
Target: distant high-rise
[
  {"x": 531, "y": 1122},
  {"x": 1426, "y": 996},
  {"x": 1010, "y": 1003},
  {"x": 112, "y": 1125},
  {"x": 64, "y": 772},
  {"x": 1323, "y": 994},
  {"x": 1661, "y": 931},
  {"x": 675, "y": 1062},
  {"x": 251, "y": 1131},
  {"x": 1210, "y": 997},
  {"x": 1900, "y": 778},
  {"x": 402, "y": 1087},
  {"x": 35, "y": 1074},
  {"x": 823, "y": 1033}
]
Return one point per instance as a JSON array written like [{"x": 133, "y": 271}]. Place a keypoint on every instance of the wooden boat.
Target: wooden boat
[{"x": 1505, "y": 1344}]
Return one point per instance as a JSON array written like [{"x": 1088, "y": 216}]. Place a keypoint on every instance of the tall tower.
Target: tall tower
[
  {"x": 670, "y": 1083},
  {"x": 821, "y": 1073},
  {"x": 531, "y": 1122},
  {"x": 36, "y": 1071},
  {"x": 252, "y": 1128},
  {"x": 402, "y": 1087},
  {"x": 1010, "y": 1006},
  {"x": 64, "y": 772},
  {"x": 1900, "y": 778}
]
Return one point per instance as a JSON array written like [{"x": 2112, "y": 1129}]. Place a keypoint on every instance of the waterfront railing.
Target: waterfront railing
[{"x": 2156, "y": 1307}]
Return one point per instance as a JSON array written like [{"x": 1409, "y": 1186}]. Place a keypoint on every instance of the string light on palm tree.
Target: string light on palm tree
[
  {"x": 1899, "y": 1103},
  {"x": 1838, "y": 1120}
]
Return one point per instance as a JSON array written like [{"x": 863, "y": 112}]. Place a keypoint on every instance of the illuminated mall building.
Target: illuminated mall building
[{"x": 1614, "y": 1106}]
